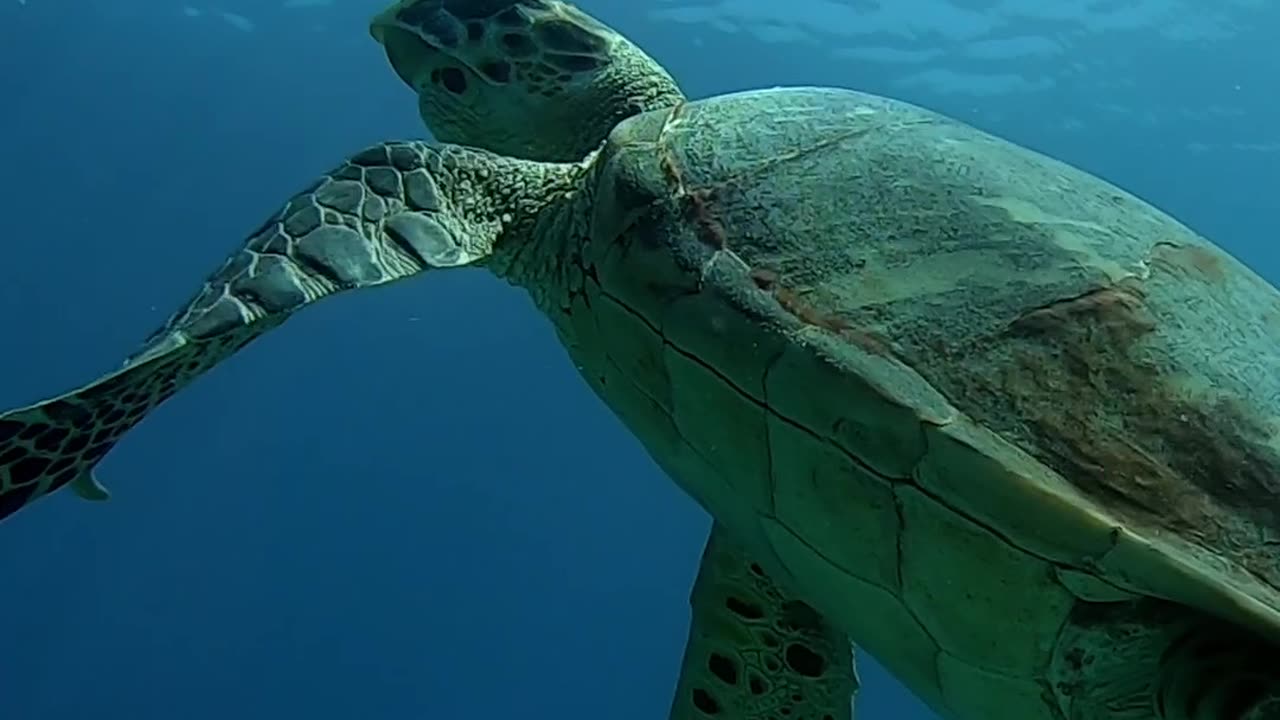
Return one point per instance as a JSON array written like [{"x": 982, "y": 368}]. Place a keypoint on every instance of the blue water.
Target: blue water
[{"x": 405, "y": 504}]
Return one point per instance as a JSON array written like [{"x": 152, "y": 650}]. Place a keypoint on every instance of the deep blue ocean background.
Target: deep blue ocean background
[{"x": 405, "y": 504}]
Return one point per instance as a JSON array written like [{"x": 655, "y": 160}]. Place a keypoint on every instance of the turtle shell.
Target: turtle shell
[{"x": 860, "y": 332}]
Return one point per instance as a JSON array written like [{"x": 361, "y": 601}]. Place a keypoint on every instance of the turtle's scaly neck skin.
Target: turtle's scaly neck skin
[{"x": 541, "y": 247}]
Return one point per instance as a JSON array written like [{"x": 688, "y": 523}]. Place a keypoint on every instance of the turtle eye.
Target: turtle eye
[{"x": 451, "y": 79}]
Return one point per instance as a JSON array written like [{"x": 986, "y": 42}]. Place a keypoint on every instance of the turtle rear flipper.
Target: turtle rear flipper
[{"x": 755, "y": 650}]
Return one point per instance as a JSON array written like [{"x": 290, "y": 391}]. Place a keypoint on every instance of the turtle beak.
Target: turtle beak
[
  {"x": 409, "y": 54},
  {"x": 380, "y": 22}
]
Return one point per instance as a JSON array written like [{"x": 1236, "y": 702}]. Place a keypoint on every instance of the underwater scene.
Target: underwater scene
[{"x": 803, "y": 360}]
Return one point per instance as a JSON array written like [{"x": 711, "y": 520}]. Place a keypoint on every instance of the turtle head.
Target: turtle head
[{"x": 536, "y": 79}]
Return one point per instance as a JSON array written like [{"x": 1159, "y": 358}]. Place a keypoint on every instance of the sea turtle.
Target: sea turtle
[{"x": 1000, "y": 423}]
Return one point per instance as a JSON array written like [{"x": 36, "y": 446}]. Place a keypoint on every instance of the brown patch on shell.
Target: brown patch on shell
[
  {"x": 793, "y": 302},
  {"x": 696, "y": 207},
  {"x": 1192, "y": 258},
  {"x": 1118, "y": 308},
  {"x": 697, "y": 210},
  {"x": 1122, "y": 428}
]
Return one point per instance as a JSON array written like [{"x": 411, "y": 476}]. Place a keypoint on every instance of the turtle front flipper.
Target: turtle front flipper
[
  {"x": 757, "y": 653},
  {"x": 388, "y": 212}
]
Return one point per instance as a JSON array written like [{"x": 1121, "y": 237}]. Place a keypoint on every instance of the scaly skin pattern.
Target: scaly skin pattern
[{"x": 387, "y": 213}]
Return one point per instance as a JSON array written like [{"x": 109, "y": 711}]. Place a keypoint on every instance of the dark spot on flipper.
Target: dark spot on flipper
[
  {"x": 451, "y": 79},
  {"x": 97, "y": 452},
  {"x": 28, "y": 470},
  {"x": 78, "y": 441},
  {"x": 13, "y": 499},
  {"x": 565, "y": 37},
  {"x": 499, "y": 71},
  {"x": 757, "y": 684},
  {"x": 573, "y": 63},
  {"x": 76, "y": 414},
  {"x": 10, "y": 428},
  {"x": 518, "y": 45},
  {"x": 33, "y": 431},
  {"x": 805, "y": 661},
  {"x": 705, "y": 703},
  {"x": 64, "y": 470},
  {"x": 50, "y": 441},
  {"x": 115, "y": 415},
  {"x": 64, "y": 462},
  {"x": 475, "y": 31},
  {"x": 723, "y": 668}
]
